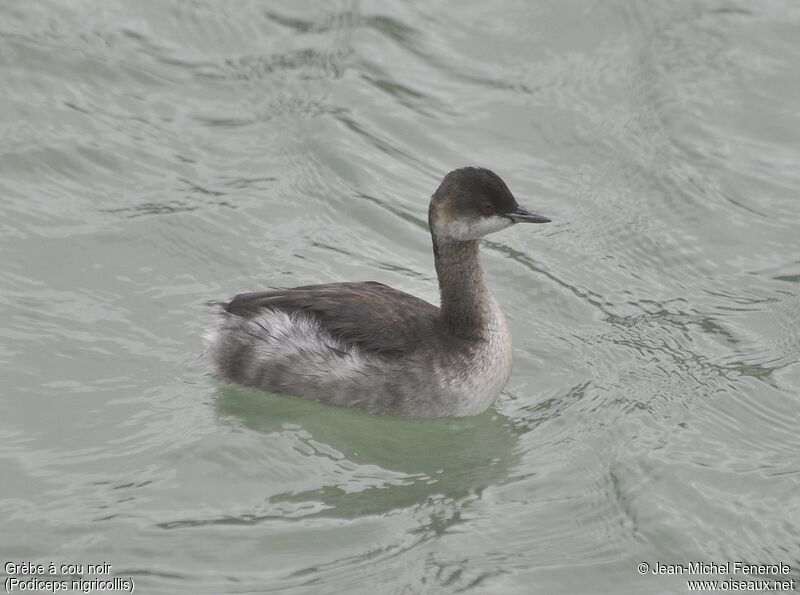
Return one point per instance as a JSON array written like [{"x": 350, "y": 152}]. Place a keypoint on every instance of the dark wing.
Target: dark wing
[{"x": 371, "y": 315}]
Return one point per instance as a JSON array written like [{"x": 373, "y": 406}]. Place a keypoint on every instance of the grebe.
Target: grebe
[{"x": 370, "y": 346}]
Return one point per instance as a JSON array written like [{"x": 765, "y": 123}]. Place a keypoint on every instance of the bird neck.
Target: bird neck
[{"x": 465, "y": 299}]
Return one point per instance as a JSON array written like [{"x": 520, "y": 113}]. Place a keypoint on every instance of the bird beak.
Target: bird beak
[{"x": 521, "y": 215}]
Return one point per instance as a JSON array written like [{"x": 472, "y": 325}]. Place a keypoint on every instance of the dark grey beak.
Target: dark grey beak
[{"x": 521, "y": 215}]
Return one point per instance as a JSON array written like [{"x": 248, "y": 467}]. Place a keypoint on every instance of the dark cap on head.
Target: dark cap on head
[{"x": 472, "y": 202}]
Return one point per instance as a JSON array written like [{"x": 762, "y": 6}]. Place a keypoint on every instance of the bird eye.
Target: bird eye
[{"x": 487, "y": 208}]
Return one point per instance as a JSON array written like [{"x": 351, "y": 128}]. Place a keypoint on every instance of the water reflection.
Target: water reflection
[{"x": 411, "y": 462}]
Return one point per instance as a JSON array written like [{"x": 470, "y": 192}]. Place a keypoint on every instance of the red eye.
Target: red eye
[{"x": 487, "y": 209}]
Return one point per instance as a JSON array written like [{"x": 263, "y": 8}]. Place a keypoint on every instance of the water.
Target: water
[{"x": 156, "y": 155}]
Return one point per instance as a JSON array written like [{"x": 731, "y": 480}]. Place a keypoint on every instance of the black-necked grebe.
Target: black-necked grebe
[{"x": 370, "y": 346}]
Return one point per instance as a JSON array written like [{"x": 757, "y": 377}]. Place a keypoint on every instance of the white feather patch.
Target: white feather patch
[
  {"x": 474, "y": 229},
  {"x": 278, "y": 336}
]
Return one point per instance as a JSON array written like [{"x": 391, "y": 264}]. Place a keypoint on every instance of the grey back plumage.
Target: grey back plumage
[{"x": 371, "y": 316}]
